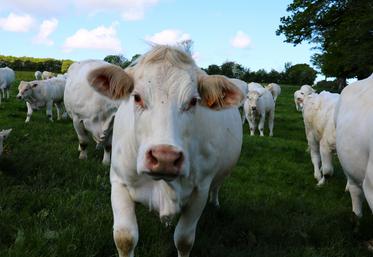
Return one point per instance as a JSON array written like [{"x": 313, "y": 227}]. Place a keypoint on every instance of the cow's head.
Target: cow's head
[
  {"x": 25, "y": 88},
  {"x": 167, "y": 93},
  {"x": 298, "y": 100},
  {"x": 3, "y": 135},
  {"x": 253, "y": 97}
]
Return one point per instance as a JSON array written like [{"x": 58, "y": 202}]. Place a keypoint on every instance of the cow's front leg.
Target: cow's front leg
[
  {"x": 252, "y": 125},
  {"x": 58, "y": 110},
  {"x": 29, "y": 112},
  {"x": 261, "y": 124},
  {"x": 125, "y": 230},
  {"x": 186, "y": 227},
  {"x": 49, "y": 110}
]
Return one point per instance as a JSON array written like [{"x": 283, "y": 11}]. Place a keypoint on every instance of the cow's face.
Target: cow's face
[
  {"x": 298, "y": 99},
  {"x": 253, "y": 97},
  {"x": 3, "y": 135},
  {"x": 166, "y": 99},
  {"x": 24, "y": 89}
]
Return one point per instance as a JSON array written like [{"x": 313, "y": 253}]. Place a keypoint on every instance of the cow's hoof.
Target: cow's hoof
[{"x": 83, "y": 156}]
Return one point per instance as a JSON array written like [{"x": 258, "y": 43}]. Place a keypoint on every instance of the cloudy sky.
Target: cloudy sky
[{"x": 237, "y": 30}]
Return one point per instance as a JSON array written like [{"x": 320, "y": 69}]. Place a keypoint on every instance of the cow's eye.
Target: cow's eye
[
  {"x": 138, "y": 100},
  {"x": 191, "y": 104}
]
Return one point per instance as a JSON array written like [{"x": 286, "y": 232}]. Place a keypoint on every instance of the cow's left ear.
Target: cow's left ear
[
  {"x": 111, "y": 81},
  {"x": 218, "y": 92}
]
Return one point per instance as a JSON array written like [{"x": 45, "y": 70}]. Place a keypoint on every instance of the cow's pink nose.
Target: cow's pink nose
[{"x": 164, "y": 160}]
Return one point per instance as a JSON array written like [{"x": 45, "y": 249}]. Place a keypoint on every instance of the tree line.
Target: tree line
[{"x": 33, "y": 64}]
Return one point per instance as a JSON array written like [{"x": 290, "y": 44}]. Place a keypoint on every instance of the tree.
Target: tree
[
  {"x": 213, "y": 69},
  {"x": 301, "y": 74},
  {"x": 119, "y": 60},
  {"x": 227, "y": 69},
  {"x": 65, "y": 65},
  {"x": 341, "y": 29}
]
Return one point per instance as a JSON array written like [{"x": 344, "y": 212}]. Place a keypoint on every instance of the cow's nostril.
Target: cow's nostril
[
  {"x": 179, "y": 161},
  {"x": 151, "y": 158}
]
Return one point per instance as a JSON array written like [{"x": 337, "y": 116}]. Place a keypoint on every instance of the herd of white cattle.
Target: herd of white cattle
[{"x": 167, "y": 125}]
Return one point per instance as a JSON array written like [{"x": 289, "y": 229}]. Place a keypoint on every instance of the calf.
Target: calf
[
  {"x": 91, "y": 112},
  {"x": 318, "y": 117},
  {"x": 7, "y": 76},
  {"x": 40, "y": 93},
  {"x": 259, "y": 102},
  {"x": 177, "y": 134},
  {"x": 47, "y": 75},
  {"x": 38, "y": 75}
]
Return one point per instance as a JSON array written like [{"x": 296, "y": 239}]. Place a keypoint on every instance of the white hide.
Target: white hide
[
  {"x": 164, "y": 110},
  {"x": 90, "y": 111},
  {"x": 38, "y": 75},
  {"x": 275, "y": 90},
  {"x": 300, "y": 94},
  {"x": 243, "y": 86},
  {"x": 47, "y": 75},
  {"x": 354, "y": 140},
  {"x": 318, "y": 117},
  {"x": 259, "y": 103},
  {"x": 40, "y": 93},
  {"x": 7, "y": 76},
  {"x": 3, "y": 135}
]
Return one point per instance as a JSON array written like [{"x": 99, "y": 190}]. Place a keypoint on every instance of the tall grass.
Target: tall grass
[{"x": 52, "y": 204}]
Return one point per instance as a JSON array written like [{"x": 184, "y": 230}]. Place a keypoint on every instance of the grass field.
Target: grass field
[{"x": 52, "y": 204}]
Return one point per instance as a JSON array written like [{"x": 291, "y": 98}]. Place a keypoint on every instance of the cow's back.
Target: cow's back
[{"x": 7, "y": 76}]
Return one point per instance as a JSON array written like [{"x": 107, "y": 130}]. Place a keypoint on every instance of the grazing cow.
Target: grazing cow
[
  {"x": 259, "y": 102},
  {"x": 47, "y": 75},
  {"x": 354, "y": 140},
  {"x": 175, "y": 138},
  {"x": 242, "y": 85},
  {"x": 318, "y": 117},
  {"x": 38, "y": 75},
  {"x": 3, "y": 135},
  {"x": 7, "y": 76},
  {"x": 300, "y": 94},
  {"x": 275, "y": 90},
  {"x": 90, "y": 111},
  {"x": 40, "y": 93}
]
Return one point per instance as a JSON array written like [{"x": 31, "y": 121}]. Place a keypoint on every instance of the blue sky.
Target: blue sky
[{"x": 240, "y": 31}]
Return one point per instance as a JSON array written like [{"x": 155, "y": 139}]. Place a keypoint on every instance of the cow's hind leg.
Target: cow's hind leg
[
  {"x": 107, "y": 153},
  {"x": 58, "y": 110},
  {"x": 326, "y": 161},
  {"x": 49, "y": 110},
  {"x": 271, "y": 118},
  {"x": 125, "y": 230},
  {"x": 185, "y": 230},
  {"x": 83, "y": 138},
  {"x": 7, "y": 93}
]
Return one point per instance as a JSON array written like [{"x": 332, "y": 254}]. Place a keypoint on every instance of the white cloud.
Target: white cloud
[
  {"x": 101, "y": 38},
  {"x": 241, "y": 40},
  {"x": 130, "y": 9},
  {"x": 37, "y": 7},
  {"x": 45, "y": 30},
  {"x": 17, "y": 23},
  {"x": 168, "y": 37}
]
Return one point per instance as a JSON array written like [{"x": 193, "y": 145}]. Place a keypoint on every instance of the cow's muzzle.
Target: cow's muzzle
[{"x": 164, "y": 162}]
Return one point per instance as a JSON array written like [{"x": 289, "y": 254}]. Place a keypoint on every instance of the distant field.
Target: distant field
[{"x": 52, "y": 204}]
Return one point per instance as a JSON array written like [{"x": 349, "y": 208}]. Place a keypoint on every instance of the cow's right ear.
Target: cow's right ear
[{"x": 111, "y": 81}]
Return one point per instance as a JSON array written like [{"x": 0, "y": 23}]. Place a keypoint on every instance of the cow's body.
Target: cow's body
[
  {"x": 40, "y": 93},
  {"x": 300, "y": 94},
  {"x": 7, "y": 76},
  {"x": 47, "y": 75},
  {"x": 38, "y": 75},
  {"x": 318, "y": 117},
  {"x": 354, "y": 140},
  {"x": 174, "y": 141},
  {"x": 275, "y": 90},
  {"x": 90, "y": 111},
  {"x": 258, "y": 104},
  {"x": 242, "y": 85}
]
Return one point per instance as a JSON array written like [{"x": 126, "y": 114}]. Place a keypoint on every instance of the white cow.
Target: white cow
[
  {"x": 7, "y": 76},
  {"x": 259, "y": 102},
  {"x": 300, "y": 94},
  {"x": 40, "y": 93},
  {"x": 90, "y": 111},
  {"x": 243, "y": 86},
  {"x": 175, "y": 138},
  {"x": 3, "y": 135},
  {"x": 318, "y": 117},
  {"x": 275, "y": 90},
  {"x": 354, "y": 140},
  {"x": 47, "y": 75},
  {"x": 38, "y": 75}
]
